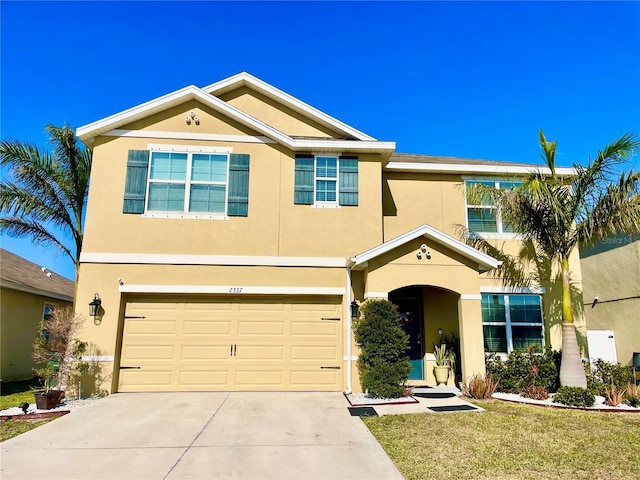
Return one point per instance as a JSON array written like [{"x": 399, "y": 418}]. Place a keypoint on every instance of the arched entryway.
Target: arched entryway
[{"x": 428, "y": 314}]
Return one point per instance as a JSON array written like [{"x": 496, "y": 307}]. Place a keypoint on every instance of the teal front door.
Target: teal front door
[{"x": 409, "y": 303}]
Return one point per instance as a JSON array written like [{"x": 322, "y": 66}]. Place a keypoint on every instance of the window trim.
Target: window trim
[
  {"x": 185, "y": 213},
  {"x": 500, "y": 233},
  {"x": 508, "y": 324},
  {"x": 326, "y": 204}
]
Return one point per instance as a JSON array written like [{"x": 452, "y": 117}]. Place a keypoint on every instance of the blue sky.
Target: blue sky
[{"x": 469, "y": 79}]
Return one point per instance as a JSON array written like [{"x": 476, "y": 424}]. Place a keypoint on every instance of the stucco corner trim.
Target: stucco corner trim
[
  {"x": 224, "y": 260},
  {"x": 231, "y": 289},
  {"x": 508, "y": 289},
  {"x": 470, "y": 296},
  {"x": 384, "y": 295}
]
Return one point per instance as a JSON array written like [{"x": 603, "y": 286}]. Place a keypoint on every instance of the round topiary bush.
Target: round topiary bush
[{"x": 383, "y": 363}]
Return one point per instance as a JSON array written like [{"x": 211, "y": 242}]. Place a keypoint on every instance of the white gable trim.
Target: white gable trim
[
  {"x": 485, "y": 261},
  {"x": 211, "y": 137},
  {"x": 88, "y": 132},
  {"x": 467, "y": 168},
  {"x": 272, "y": 92}
]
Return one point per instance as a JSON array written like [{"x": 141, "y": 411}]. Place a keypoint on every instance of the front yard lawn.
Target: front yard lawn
[
  {"x": 13, "y": 394},
  {"x": 512, "y": 440}
]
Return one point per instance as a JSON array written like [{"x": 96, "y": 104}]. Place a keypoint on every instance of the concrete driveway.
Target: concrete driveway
[{"x": 242, "y": 435}]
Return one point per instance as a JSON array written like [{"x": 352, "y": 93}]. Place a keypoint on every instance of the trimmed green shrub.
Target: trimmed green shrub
[
  {"x": 524, "y": 369},
  {"x": 574, "y": 396},
  {"x": 383, "y": 363},
  {"x": 601, "y": 375}
]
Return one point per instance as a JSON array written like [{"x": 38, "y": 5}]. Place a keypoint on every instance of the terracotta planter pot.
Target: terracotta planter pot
[
  {"x": 47, "y": 401},
  {"x": 442, "y": 374}
]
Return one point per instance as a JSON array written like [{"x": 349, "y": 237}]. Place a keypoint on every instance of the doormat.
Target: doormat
[
  {"x": 362, "y": 411},
  {"x": 453, "y": 408},
  {"x": 434, "y": 395}
]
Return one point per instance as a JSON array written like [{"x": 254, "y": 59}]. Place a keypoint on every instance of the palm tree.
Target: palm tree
[
  {"x": 555, "y": 216},
  {"x": 45, "y": 194}
]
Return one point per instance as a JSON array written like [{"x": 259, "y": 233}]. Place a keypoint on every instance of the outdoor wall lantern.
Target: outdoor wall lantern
[
  {"x": 355, "y": 309},
  {"x": 94, "y": 306}
]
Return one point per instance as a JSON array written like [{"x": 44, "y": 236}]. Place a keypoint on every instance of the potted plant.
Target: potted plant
[
  {"x": 445, "y": 362},
  {"x": 53, "y": 354}
]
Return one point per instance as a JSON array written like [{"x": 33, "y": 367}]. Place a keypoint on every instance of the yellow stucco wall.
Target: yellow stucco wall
[{"x": 21, "y": 313}]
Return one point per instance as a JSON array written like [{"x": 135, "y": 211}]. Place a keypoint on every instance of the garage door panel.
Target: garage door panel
[
  {"x": 326, "y": 328},
  {"x": 140, "y": 353},
  {"x": 202, "y": 352},
  {"x": 232, "y": 343},
  {"x": 207, "y": 326},
  {"x": 312, "y": 352}
]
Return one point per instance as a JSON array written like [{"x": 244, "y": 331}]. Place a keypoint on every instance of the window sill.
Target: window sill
[
  {"x": 186, "y": 216},
  {"x": 326, "y": 205}
]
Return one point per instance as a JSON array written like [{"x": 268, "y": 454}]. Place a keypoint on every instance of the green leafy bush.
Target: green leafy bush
[
  {"x": 601, "y": 375},
  {"x": 524, "y": 369},
  {"x": 383, "y": 363},
  {"x": 574, "y": 396}
]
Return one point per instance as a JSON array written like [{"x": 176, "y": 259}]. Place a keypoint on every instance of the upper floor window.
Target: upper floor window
[
  {"x": 511, "y": 322},
  {"x": 485, "y": 217},
  {"x": 188, "y": 182},
  {"x": 326, "y": 180},
  {"x": 191, "y": 182}
]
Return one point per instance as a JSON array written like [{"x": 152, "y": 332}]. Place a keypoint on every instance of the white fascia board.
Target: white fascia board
[
  {"x": 292, "y": 102},
  {"x": 483, "y": 169},
  {"x": 230, "y": 260},
  {"x": 341, "y": 145},
  {"x": 210, "y": 137},
  {"x": 88, "y": 132},
  {"x": 231, "y": 289},
  {"x": 484, "y": 260}
]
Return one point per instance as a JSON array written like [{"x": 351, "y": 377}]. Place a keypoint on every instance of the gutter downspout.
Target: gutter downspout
[{"x": 348, "y": 330}]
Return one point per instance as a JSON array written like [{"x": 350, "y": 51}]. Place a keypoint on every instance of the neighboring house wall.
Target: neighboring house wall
[
  {"x": 611, "y": 271},
  {"x": 26, "y": 290}
]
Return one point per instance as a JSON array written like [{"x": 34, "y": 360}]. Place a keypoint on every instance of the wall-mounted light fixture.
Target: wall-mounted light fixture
[
  {"x": 94, "y": 306},
  {"x": 355, "y": 309}
]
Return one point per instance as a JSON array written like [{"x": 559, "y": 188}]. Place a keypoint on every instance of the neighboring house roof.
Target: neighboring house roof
[
  {"x": 484, "y": 261},
  {"x": 19, "y": 274},
  {"x": 363, "y": 143},
  {"x": 440, "y": 164}
]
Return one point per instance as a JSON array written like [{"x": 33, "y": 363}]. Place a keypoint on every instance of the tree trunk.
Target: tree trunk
[{"x": 571, "y": 369}]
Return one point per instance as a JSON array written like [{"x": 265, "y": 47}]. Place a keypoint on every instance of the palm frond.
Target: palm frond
[{"x": 39, "y": 233}]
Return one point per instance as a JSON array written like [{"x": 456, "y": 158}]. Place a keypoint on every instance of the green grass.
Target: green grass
[
  {"x": 12, "y": 428},
  {"x": 13, "y": 394},
  {"x": 512, "y": 441}
]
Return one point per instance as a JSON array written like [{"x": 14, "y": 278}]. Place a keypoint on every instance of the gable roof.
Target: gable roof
[
  {"x": 406, "y": 162},
  {"x": 484, "y": 261},
  {"x": 245, "y": 79},
  {"x": 19, "y": 274},
  {"x": 364, "y": 143}
]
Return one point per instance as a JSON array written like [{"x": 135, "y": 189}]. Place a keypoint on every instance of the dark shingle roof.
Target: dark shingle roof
[
  {"x": 18, "y": 273},
  {"x": 436, "y": 159}
]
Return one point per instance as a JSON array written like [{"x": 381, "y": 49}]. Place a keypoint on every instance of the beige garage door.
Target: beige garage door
[{"x": 231, "y": 343}]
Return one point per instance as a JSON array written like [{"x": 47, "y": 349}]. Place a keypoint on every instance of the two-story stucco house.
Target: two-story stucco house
[{"x": 229, "y": 229}]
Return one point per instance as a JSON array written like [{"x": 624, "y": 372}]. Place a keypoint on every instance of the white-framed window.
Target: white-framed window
[
  {"x": 512, "y": 322},
  {"x": 46, "y": 314},
  {"x": 326, "y": 179},
  {"x": 485, "y": 218},
  {"x": 187, "y": 182}
]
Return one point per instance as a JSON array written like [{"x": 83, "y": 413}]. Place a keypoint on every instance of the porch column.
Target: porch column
[{"x": 471, "y": 335}]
